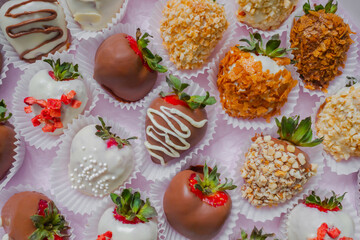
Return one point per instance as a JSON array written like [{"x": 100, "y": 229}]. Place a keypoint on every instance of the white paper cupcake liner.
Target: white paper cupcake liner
[
  {"x": 351, "y": 61},
  {"x": 158, "y": 190},
  {"x": 7, "y": 193},
  {"x": 34, "y": 135},
  {"x": 262, "y": 214},
  {"x": 343, "y": 167},
  {"x": 91, "y": 229},
  {"x": 13, "y": 56},
  {"x": 283, "y": 27},
  {"x": 85, "y": 56},
  {"x": 19, "y": 157},
  {"x": 222, "y": 45},
  {"x": 322, "y": 192},
  {"x": 358, "y": 193},
  {"x": 78, "y": 32},
  {"x": 256, "y": 123},
  {"x": 5, "y": 64},
  {"x": 153, "y": 171},
  {"x": 60, "y": 181}
]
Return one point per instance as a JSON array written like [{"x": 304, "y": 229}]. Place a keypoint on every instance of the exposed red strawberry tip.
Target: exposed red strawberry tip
[
  {"x": 111, "y": 142},
  {"x": 320, "y": 208},
  {"x": 52, "y": 75},
  {"x": 215, "y": 200},
  {"x": 134, "y": 46},
  {"x": 42, "y": 205},
  {"x": 123, "y": 219},
  {"x": 174, "y": 100}
]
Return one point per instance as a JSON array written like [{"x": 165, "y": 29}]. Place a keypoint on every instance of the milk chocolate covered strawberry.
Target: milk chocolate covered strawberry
[
  {"x": 196, "y": 203},
  {"x": 56, "y": 97},
  {"x": 7, "y": 141},
  {"x": 33, "y": 216},
  {"x": 275, "y": 170},
  {"x": 321, "y": 219},
  {"x": 131, "y": 218},
  {"x": 175, "y": 122},
  {"x": 125, "y": 67}
]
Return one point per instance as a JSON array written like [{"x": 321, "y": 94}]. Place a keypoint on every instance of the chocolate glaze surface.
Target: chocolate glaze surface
[
  {"x": 196, "y": 133},
  {"x": 16, "y": 214},
  {"x": 190, "y": 216},
  {"x": 7, "y": 147},
  {"x": 120, "y": 71}
]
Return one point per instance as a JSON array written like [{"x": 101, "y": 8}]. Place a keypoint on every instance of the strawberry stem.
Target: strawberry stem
[
  {"x": 328, "y": 203},
  {"x": 3, "y": 110},
  {"x": 63, "y": 71}
]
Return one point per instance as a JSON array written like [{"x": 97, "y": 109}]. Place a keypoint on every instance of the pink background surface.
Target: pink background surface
[{"x": 36, "y": 168}]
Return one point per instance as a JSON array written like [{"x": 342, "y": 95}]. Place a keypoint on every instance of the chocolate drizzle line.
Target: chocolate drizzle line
[{"x": 46, "y": 28}]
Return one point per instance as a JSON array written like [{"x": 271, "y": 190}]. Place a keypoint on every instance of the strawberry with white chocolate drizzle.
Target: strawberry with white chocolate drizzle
[
  {"x": 282, "y": 168},
  {"x": 320, "y": 220},
  {"x": 132, "y": 218},
  {"x": 175, "y": 122},
  {"x": 100, "y": 161},
  {"x": 56, "y": 97}
]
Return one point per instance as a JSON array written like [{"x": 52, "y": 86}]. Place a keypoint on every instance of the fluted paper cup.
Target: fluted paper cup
[
  {"x": 7, "y": 193},
  {"x": 153, "y": 171},
  {"x": 5, "y": 64},
  {"x": 159, "y": 188},
  {"x": 34, "y": 135},
  {"x": 60, "y": 180}
]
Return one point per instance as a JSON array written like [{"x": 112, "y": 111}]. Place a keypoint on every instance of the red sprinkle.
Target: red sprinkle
[
  {"x": 134, "y": 46},
  {"x": 174, "y": 100},
  {"x": 105, "y": 236},
  {"x": 333, "y": 232},
  {"x": 123, "y": 219},
  {"x": 215, "y": 200},
  {"x": 28, "y": 109},
  {"x": 321, "y": 209}
]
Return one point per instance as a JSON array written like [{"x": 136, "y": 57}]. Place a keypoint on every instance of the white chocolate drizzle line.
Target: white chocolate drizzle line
[{"x": 169, "y": 147}]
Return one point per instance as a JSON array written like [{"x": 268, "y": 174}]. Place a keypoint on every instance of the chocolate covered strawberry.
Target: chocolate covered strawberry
[
  {"x": 125, "y": 67},
  {"x": 321, "y": 220},
  {"x": 131, "y": 218},
  {"x": 175, "y": 122},
  {"x": 196, "y": 203},
  {"x": 7, "y": 141},
  {"x": 33, "y": 216},
  {"x": 56, "y": 97},
  {"x": 256, "y": 234},
  {"x": 275, "y": 170}
]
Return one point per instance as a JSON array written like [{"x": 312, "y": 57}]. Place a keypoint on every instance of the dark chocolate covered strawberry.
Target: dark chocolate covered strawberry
[
  {"x": 33, "y": 216},
  {"x": 175, "y": 122},
  {"x": 7, "y": 141},
  {"x": 196, "y": 203},
  {"x": 275, "y": 170},
  {"x": 131, "y": 218},
  {"x": 321, "y": 219},
  {"x": 126, "y": 67},
  {"x": 256, "y": 234}
]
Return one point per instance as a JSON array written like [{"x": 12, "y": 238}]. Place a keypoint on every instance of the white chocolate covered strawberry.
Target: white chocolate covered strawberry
[
  {"x": 56, "y": 97},
  {"x": 100, "y": 161},
  {"x": 320, "y": 219},
  {"x": 132, "y": 218}
]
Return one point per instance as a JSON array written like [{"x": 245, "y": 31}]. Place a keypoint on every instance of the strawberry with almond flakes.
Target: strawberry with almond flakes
[
  {"x": 196, "y": 203},
  {"x": 56, "y": 97},
  {"x": 131, "y": 218},
  {"x": 125, "y": 67},
  {"x": 322, "y": 220}
]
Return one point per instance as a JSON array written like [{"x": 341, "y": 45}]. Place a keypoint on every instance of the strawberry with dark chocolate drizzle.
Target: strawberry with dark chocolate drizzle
[
  {"x": 7, "y": 141},
  {"x": 196, "y": 203},
  {"x": 175, "y": 122},
  {"x": 125, "y": 67}
]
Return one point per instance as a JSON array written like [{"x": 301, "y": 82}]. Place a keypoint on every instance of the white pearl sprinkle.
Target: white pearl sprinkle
[{"x": 83, "y": 148}]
